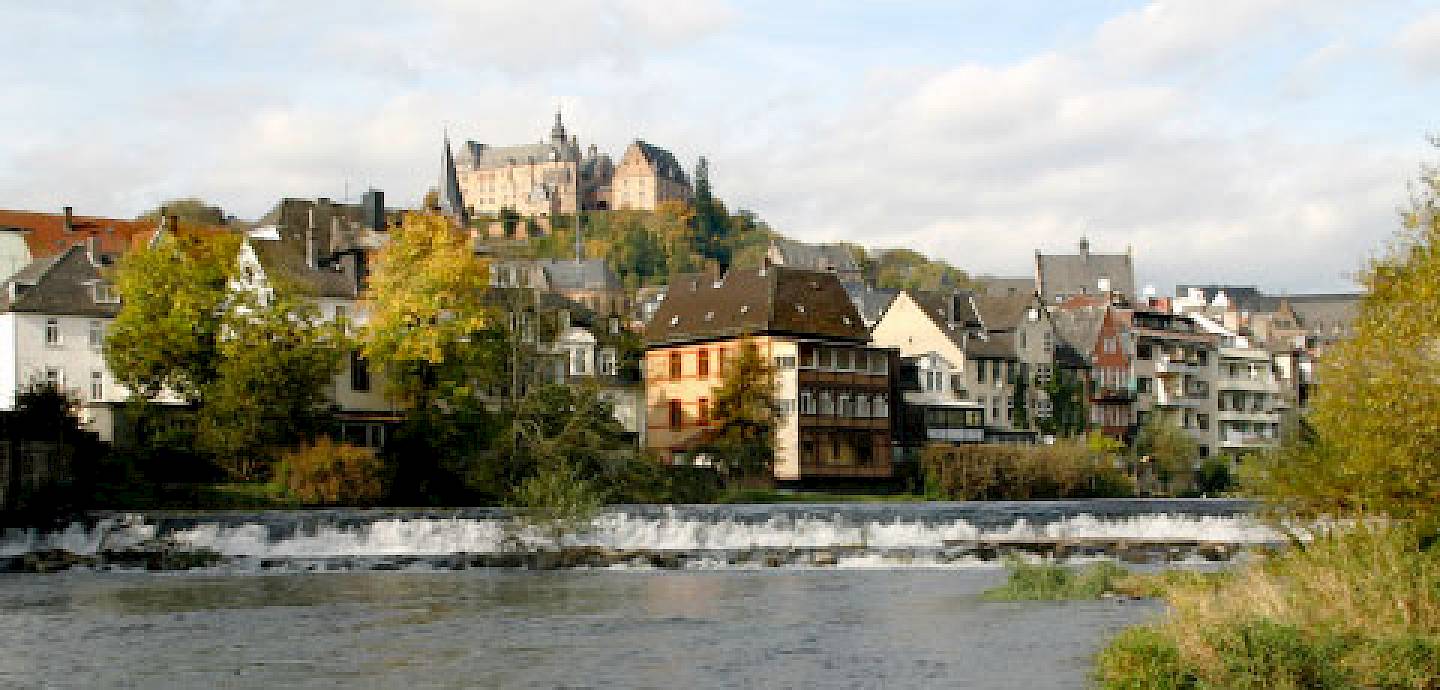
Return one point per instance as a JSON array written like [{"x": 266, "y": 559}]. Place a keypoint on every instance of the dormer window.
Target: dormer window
[
  {"x": 675, "y": 320},
  {"x": 105, "y": 294},
  {"x": 709, "y": 316},
  {"x": 800, "y": 308},
  {"x": 744, "y": 309}
]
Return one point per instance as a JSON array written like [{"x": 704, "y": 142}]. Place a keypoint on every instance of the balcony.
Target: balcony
[
  {"x": 1171, "y": 398},
  {"x": 1248, "y": 414},
  {"x": 1247, "y": 384},
  {"x": 1113, "y": 394},
  {"x": 1165, "y": 365},
  {"x": 1247, "y": 440}
]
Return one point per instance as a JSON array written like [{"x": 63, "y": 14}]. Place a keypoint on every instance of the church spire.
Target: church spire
[
  {"x": 451, "y": 202},
  {"x": 557, "y": 132}
]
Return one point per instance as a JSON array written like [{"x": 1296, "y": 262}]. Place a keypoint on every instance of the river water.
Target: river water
[
  {"x": 811, "y": 628},
  {"x": 745, "y": 596}
]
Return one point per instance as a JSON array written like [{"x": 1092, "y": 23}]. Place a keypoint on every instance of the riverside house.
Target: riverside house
[{"x": 834, "y": 390}]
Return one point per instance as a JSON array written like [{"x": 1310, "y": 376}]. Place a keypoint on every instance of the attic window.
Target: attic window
[
  {"x": 675, "y": 320},
  {"x": 846, "y": 320},
  {"x": 800, "y": 308},
  {"x": 718, "y": 284},
  {"x": 744, "y": 309},
  {"x": 709, "y": 316}
]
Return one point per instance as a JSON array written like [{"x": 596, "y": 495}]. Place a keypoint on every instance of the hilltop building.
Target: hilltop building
[{"x": 556, "y": 177}]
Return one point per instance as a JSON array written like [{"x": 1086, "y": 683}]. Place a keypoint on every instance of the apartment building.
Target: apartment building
[
  {"x": 834, "y": 391},
  {"x": 1176, "y": 364}
]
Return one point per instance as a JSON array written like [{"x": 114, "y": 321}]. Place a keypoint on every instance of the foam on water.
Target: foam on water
[{"x": 648, "y": 528}]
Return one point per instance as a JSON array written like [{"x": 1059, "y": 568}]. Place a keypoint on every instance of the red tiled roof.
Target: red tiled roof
[{"x": 48, "y": 237}]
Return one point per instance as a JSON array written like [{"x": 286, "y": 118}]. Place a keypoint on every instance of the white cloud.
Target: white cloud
[
  {"x": 1168, "y": 33},
  {"x": 1419, "y": 44}
]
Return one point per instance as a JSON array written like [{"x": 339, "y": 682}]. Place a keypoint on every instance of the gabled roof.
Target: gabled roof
[
  {"x": 62, "y": 284},
  {"x": 775, "y": 300},
  {"x": 1079, "y": 327},
  {"x": 284, "y": 261},
  {"x": 662, "y": 161},
  {"x": 1061, "y": 275},
  {"x": 871, "y": 302},
  {"x": 995, "y": 346},
  {"x": 1002, "y": 285},
  {"x": 47, "y": 235}
]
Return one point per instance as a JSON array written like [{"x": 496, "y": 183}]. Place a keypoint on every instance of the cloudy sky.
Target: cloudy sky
[{"x": 1263, "y": 142}]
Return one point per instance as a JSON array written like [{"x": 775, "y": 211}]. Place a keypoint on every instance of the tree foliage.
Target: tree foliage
[
  {"x": 274, "y": 363},
  {"x": 1070, "y": 468},
  {"x": 167, "y": 332},
  {"x": 1369, "y": 442},
  {"x": 910, "y": 270},
  {"x": 187, "y": 210},
  {"x": 327, "y": 473},
  {"x": 1167, "y": 452},
  {"x": 742, "y": 440},
  {"x": 426, "y": 302}
]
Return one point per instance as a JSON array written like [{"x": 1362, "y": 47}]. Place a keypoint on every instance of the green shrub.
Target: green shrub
[
  {"x": 982, "y": 472},
  {"x": 1051, "y": 582},
  {"x": 329, "y": 473}
]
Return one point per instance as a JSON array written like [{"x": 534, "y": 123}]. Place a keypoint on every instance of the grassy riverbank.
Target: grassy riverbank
[{"x": 1360, "y": 610}]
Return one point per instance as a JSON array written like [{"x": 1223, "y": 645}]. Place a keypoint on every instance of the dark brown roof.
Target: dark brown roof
[
  {"x": 284, "y": 260},
  {"x": 994, "y": 346},
  {"x": 60, "y": 284},
  {"x": 776, "y": 300}
]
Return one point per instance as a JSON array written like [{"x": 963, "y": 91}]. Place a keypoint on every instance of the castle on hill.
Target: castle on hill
[{"x": 554, "y": 177}]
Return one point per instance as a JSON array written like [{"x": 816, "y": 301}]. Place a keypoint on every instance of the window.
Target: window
[
  {"x": 827, "y": 404},
  {"x": 54, "y": 377},
  {"x": 609, "y": 363},
  {"x": 878, "y": 363},
  {"x": 880, "y": 407},
  {"x": 807, "y": 402},
  {"x": 579, "y": 362},
  {"x": 702, "y": 412},
  {"x": 1142, "y": 385},
  {"x": 97, "y": 335},
  {"x": 359, "y": 372},
  {"x": 105, "y": 294},
  {"x": 1109, "y": 346},
  {"x": 1203, "y": 421},
  {"x": 676, "y": 370},
  {"x": 980, "y": 373},
  {"x": 677, "y": 414},
  {"x": 702, "y": 364},
  {"x": 52, "y": 332},
  {"x": 97, "y": 385}
]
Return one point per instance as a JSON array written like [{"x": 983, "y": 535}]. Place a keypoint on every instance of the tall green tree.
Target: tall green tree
[
  {"x": 1168, "y": 451},
  {"x": 743, "y": 415},
  {"x": 1369, "y": 442},
  {"x": 167, "y": 333},
  {"x": 275, "y": 362}
]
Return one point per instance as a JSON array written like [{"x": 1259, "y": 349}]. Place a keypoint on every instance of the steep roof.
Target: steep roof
[
  {"x": 813, "y": 257},
  {"x": 994, "y": 346},
  {"x": 452, "y": 203},
  {"x": 871, "y": 302},
  {"x": 59, "y": 284},
  {"x": 664, "y": 162},
  {"x": 1004, "y": 312},
  {"x": 47, "y": 235},
  {"x": 1061, "y": 275},
  {"x": 1079, "y": 327},
  {"x": 479, "y": 156},
  {"x": 336, "y": 233},
  {"x": 1002, "y": 285},
  {"x": 777, "y": 300}
]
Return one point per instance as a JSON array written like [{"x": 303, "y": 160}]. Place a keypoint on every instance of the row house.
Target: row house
[
  {"x": 834, "y": 391},
  {"x": 1175, "y": 364},
  {"x": 1097, "y": 332}
]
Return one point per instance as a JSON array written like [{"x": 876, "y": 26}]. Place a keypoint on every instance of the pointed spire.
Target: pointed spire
[
  {"x": 557, "y": 132},
  {"x": 451, "y": 202}
]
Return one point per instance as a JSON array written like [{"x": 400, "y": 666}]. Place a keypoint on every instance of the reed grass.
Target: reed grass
[{"x": 1359, "y": 609}]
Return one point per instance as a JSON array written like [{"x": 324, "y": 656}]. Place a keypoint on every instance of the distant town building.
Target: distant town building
[
  {"x": 1058, "y": 276},
  {"x": 834, "y": 390},
  {"x": 829, "y": 258}
]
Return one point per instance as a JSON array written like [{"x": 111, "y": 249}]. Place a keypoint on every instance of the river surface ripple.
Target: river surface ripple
[{"x": 802, "y": 628}]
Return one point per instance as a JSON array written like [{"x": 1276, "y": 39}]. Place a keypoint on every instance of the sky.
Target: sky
[{"x": 1252, "y": 142}]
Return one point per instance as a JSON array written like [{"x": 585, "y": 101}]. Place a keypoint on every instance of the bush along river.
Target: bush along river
[{"x": 877, "y": 595}]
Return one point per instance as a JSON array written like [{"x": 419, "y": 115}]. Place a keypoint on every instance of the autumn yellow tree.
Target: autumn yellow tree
[
  {"x": 426, "y": 305},
  {"x": 1370, "y": 441}
]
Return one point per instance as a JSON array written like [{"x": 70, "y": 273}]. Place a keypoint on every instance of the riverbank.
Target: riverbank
[{"x": 1355, "y": 610}]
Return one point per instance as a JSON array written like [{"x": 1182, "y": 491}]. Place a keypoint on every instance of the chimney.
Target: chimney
[
  {"x": 310, "y": 247},
  {"x": 1084, "y": 246},
  {"x": 69, "y": 219},
  {"x": 373, "y": 211}
]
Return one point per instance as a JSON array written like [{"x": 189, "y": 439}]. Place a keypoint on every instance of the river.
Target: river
[{"x": 743, "y": 596}]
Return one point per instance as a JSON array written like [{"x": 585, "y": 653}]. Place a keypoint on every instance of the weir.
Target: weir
[{"x": 693, "y": 536}]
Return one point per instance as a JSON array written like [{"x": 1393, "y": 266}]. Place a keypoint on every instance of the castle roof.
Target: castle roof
[{"x": 663, "y": 162}]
